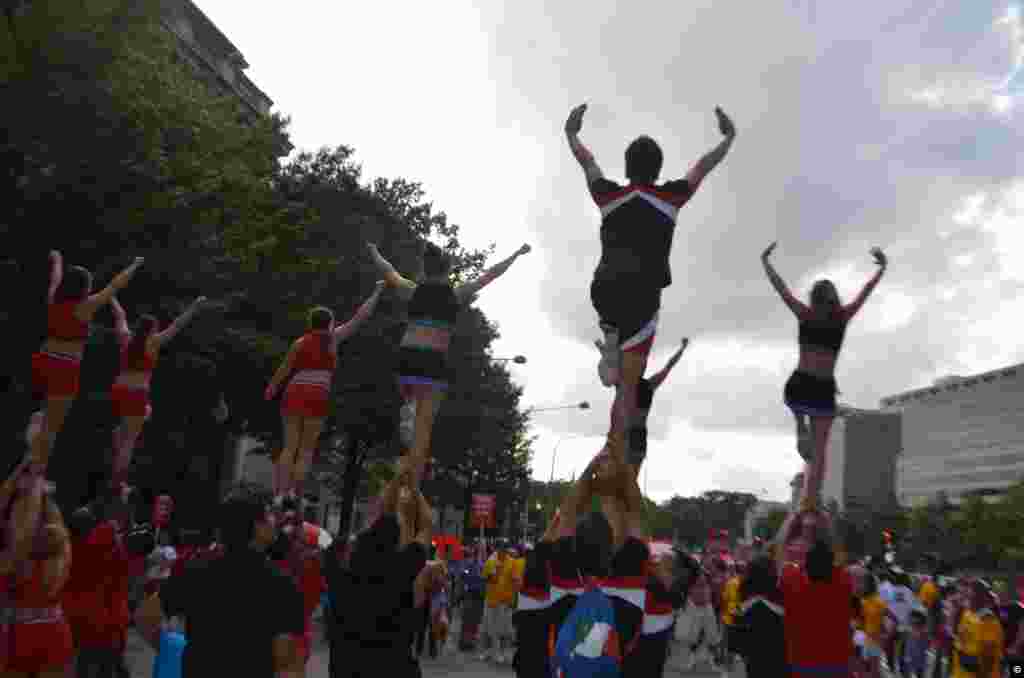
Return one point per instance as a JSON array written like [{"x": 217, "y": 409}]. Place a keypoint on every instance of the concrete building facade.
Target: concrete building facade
[
  {"x": 860, "y": 466},
  {"x": 961, "y": 435}
]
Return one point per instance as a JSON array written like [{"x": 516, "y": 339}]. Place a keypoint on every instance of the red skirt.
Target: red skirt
[
  {"x": 56, "y": 375},
  {"x": 305, "y": 400},
  {"x": 38, "y": 647}
]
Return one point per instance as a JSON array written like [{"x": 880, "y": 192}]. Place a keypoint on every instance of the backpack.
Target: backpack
[{"x": 587, "y": 644}]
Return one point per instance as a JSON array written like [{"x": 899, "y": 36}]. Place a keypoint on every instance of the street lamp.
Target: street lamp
[
  {"x": 578, "y": 406},
  {"x": 518, "y": 360}
]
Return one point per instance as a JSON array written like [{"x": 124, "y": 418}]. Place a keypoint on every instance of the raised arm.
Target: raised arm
[
  {"x": 659, "y": 377},
  {"x": 854, "y": 306},
  {"x": 466, "y": 291},
  {"x": 583, "y": 156},
  {"x": 103, "y": 297},
  {"x": 120, "y": 320},
  {"x": 282, "y": 371},
  {"x": 56, "y": 273},
  {"x": 346, "y": 330},
  {"x": 180, "y": 322},
  {"x": 392, "y": 278},
  {"x": 795, "y": 305},
  {"x": 712, "y": 158},
  {"x": 783, "y": 536}
]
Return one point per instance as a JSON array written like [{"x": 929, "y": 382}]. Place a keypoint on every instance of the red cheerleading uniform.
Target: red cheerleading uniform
[
  {"x": 95, "y": 597},
  {"x": 309, "y": 391},
  {"x": 130, "y": 400},
  {"x": 59, "y": 374},
  {"x": 310, "y": 581},
  {"x": 41, "y": 637}
]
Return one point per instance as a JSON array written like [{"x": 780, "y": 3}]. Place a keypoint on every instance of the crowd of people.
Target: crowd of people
[{"x": 594, "y": 596}]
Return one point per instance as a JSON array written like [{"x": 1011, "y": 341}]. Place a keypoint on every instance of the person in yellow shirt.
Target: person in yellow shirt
[
  {"x": 928, "y": 593},
  {"x": 978, "y": 646},
  {"x": 510, "y": 581},
  {"x": 493, "y": 612},
  {"x": 873, "y": 611},
  {"x": 730, "y": 606}
]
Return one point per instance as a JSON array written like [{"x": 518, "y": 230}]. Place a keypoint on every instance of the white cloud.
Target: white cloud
[{"x": 859, "y": 125}]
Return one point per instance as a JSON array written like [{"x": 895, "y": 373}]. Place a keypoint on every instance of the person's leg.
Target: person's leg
[
  {"x": 820, "y": 429},
  {"x": 286, "y": 461},
  {"x": 57, "y": 408},
  {"x": 804, "y": 440},
  {"x": 427, "y": 404},
  {"x": 128, "y": 434},
  {"x": 309, "y": 438}
]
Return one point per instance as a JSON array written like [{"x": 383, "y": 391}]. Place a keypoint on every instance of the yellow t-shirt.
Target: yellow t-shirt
[
  {"x": 491, "y": 568},
  {"x": 873, "y": 613},
  {"x": 990, "y": 633},
  {"x": 730, "y": 600},
  {"x": 967, "y": 641},
  {"x": 511, "y": 572},
  {"x": 928, "y": 594}
]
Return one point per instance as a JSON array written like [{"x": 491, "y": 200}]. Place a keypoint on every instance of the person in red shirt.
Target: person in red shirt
[
  {"x": 309, "y": 367},
  {"x": 297, "y": 553},
  {"x": 817, "y": 597}
]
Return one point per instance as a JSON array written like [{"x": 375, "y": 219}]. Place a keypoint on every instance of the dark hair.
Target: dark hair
[
  {"x": 820, "y": 561},
  {"x": 81, "y": 522},
  {"x": 435, "y": 261},
  {"x": 75, "y": 285},
  {"x": 374, "y": 547},
  {"x": 242, "y": 508},
  {"x": 918, "y": 618},
  {"x": 825, "y": 299},
  {"x": 594, "y": 544},
  {"x": 135, "y": 351},
  {"x": 870, "y": 585},
  {"x": 762, "y": 579},
  {"x": 319, "y": 320},
  {"x": 643, "y": 160}
]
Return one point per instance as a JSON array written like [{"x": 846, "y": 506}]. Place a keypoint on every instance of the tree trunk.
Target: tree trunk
[{"x": 354, "y": 460}]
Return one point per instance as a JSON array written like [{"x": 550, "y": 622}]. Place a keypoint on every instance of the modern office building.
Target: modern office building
[
  {"x": 860, "y": 460},
  {"x": 961, "y": 435}
]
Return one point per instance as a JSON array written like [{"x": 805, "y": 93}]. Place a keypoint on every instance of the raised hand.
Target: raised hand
[
  {"x": 768, "y": 250},
  {"x": 525, "y": 249},
  {"x": 379, "y": 285},
  {"x": 880, "y": 258},
  {"x": 200, "y": 302},
  {"x": 685, "y": 343},
  {"x": 574, "y": 123},
  {"x": 372, "y": 247},
  {"x": 725, "y": 125}
]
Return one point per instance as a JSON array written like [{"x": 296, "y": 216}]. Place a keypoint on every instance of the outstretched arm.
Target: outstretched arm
[
  {"x": 56, "y": 273},
  {"x": 120, "y": 320},
  {"x": 713, "y": 157},
  {"x": 181, "y": 321},
  {"x": 466, "y": 291},
  {"x": 103, "y": 297},
  {"x": 282, "y": 371},
  {"x": 343, "y": 332},
  {"x": 660, "y": 376},
  {"x": 394, "y": 280},
  {"x": 795, "y": 305},
  {"x": 583, "y": 156},
  {"x": 853, "y": 307}
]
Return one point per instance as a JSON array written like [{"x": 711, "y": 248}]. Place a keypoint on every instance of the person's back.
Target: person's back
[
  {"x": 233, "y": 606},
  {"x": 818, "y": 615}
]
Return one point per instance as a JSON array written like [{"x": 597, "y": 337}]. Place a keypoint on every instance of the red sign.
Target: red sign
[{"x": 483, "y": 511}]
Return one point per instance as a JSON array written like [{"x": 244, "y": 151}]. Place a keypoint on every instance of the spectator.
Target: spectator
[
  {"x": 915, "y": 645},
  {"x": 497, "y": 617},
  {"x": 873, "y": 611},
  {"x": 758, "y": 631},
  {"x": 238, "y": 606}
]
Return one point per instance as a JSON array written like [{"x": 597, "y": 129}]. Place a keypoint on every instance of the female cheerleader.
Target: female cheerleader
[
  {"x": 811, "y": 390},
  {"x": 423, "y": 372},
  {"x": 57, "y": 366},
  {"x": 311, "y": 360},
  {"x": 129, "y": 395}
]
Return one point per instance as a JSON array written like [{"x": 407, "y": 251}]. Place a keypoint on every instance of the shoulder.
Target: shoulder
[
  {"x": 603, "y": 185},
  {"x": 676, "y": 187}
]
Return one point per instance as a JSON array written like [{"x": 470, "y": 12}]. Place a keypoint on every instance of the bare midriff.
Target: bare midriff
[
  {"x": 135, "y": 379},
  {"x": 65, "y": 346},
  {"x": 821, "y": 362},
  {"x": 424, "y": 336}
]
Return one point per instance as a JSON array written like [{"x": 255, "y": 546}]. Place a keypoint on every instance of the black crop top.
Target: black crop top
[
  {"x": 824, "y": 333},
  {"x": 434, "y": 301}
]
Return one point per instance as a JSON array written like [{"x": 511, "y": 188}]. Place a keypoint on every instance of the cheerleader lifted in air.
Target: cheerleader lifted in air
[
  {"x": 423, "y": 371},
  {"x": 637, "y": 224},
  {"x": 811, "y": 390},
  {"x": 310, "y": 363}
]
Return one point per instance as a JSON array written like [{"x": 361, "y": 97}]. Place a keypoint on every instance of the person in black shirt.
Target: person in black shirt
[
  {"x": 637, "y": 225},
  {"x": 241, "y": 613},
  {"x": 607, "y": 550},
  {"x": 759, "y": 631},
  {"x": 382, "y": 592}
]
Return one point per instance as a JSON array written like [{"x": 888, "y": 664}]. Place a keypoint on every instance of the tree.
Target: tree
[{"x": 768, "y": 525}]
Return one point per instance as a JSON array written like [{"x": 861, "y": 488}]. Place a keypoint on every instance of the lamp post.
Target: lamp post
[{"x": 518, "y": 360}]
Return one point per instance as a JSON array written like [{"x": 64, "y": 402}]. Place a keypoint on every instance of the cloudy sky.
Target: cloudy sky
[{"x": 860, "y": 124}]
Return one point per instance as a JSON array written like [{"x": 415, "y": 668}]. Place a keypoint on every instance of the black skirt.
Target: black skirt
[
  {"x": 625, "y": 305},
  {"x": 811, "y": 395}
]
